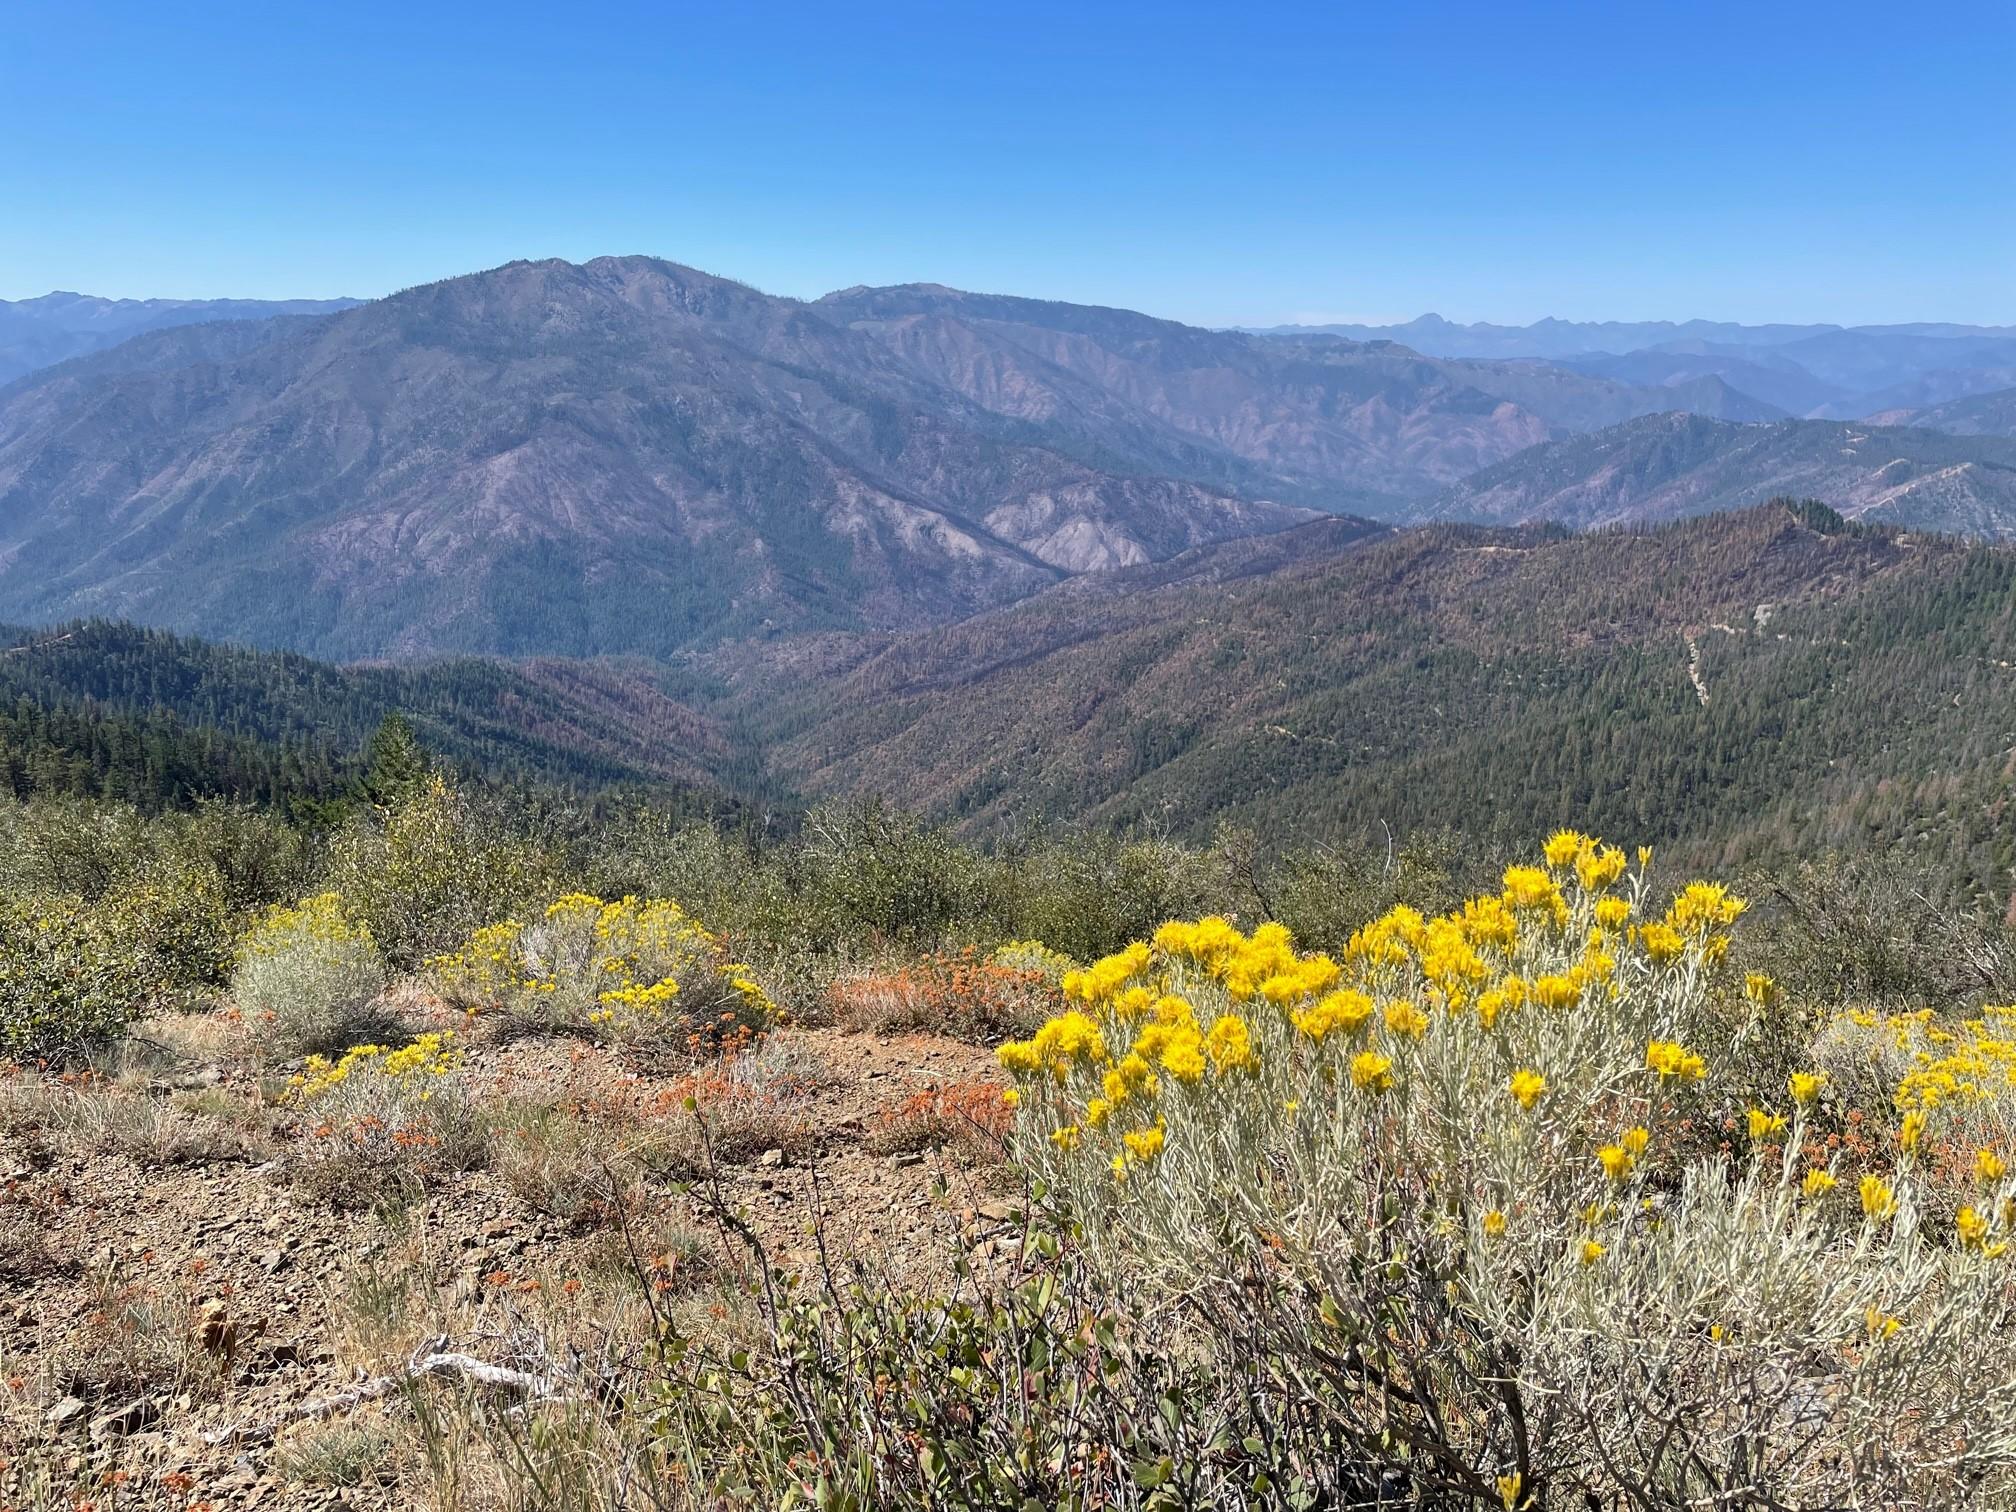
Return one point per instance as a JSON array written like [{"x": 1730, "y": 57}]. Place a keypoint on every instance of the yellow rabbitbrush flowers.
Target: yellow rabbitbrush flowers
[
  {"x": 631, "y": 966},
  {"x": 1528, "y": 981},
  {"x": 429, "y": 1055},
  {"x": 1482, "y": 1139}
]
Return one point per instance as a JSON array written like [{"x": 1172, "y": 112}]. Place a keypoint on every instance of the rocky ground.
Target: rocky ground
[{"x": 174, "y": 1290}]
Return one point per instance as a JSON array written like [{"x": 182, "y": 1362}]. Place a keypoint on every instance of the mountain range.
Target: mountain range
[
  {"x": 633, "y": 457},
  {"x": 1809, "y": 371},
  {"x": 1754, "y": 685},
  {"x": 38, "y": 333}
]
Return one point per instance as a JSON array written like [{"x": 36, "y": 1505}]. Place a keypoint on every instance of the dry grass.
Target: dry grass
[
  {"x": 87, "y": 1113},
  {"x": 343, "y": 1456},
  {"x": 579, "y": 1170},
  {"x": 25, "y": 1254},
  {"x": 141, "y": 1334},
  {"x": 968, "y": 1117},
  {"x": 964, "y": 996}
]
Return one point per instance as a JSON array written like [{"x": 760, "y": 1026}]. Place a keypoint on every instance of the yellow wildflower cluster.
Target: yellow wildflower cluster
[
  {"x": 430, "y": 1055},
  {"x": 1971, "y": 1061},
  {"x": 319, "y": 920},
  {"x": 1157, "y": 1035},
  {"x": 1494, "y": 1072},
  {"x": 628, "y": 964}
]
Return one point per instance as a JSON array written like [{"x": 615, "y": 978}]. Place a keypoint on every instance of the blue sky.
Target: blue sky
[{"x": 1225, "y": 163}]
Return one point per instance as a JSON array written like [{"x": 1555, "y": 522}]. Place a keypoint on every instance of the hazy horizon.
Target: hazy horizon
[{"x": 1301, "y": 318}]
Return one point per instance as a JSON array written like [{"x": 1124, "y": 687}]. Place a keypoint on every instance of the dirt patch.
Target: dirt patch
[{"x": 155, "y": 1305}]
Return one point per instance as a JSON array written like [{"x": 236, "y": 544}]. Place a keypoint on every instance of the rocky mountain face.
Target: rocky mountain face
[
  {"x": 1665, "y": 467},
  {"x": 621, "y": 456},
  {"x": 38, "y": 333},
  {"x": 1344, "y": 425}
]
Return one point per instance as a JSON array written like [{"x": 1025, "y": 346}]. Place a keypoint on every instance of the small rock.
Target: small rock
[
  {"x": 65, "y": 1411},
  {"x": 135, "y": 1415},
  {"x": 771, "y": 1158},
  {"x": 273, "y": 1260}
]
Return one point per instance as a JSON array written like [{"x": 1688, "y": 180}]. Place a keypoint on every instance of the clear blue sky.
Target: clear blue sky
[{"x": 1224, "y": 163}]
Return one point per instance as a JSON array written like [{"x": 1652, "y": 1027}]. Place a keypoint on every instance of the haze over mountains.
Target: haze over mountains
[
  {"x": 1814, "y": 371},
  {"x": 629, "y": 456},
  {"x": 37, "y": 333}
]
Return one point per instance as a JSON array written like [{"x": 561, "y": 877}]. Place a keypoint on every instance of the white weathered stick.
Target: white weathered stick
[{"x": 437, "y": 1362}]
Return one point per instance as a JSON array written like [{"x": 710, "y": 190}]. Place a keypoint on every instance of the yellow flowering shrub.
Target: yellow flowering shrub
[
  {"x": 308, "y": 977},
  {"x": 1464, "y": 1144},
  {"x": 632, "y": 968},
  {"x": 380, "y": 1116}
]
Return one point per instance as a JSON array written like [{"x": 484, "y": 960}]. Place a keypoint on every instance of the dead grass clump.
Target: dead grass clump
[
  {"x": 141, "y": 1336},
  {"x": 965, "y": 996},
  {"x": 659, "y": 1252},
  {"x": 83, "y": 1113},
  {"x": 344, "y": 1456},
  {"x": 714, "y": 1115},
  {"x": 24, "y": 1253},
  {"x": 967, "y": 1117},
  {"x": 578, "y": 1170}
]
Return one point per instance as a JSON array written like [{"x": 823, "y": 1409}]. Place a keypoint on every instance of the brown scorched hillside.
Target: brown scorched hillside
[{"x": 1755, "y": 683}]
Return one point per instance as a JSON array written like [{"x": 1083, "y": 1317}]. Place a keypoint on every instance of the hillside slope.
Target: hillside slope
[
  {"x": 1519, "y": 678},
  {"x": 623, "y": 456},
  {"x": 1991, "y": 414},
  {"x": 1665, "y": 467},
  {"x": 160, "y": 719}
]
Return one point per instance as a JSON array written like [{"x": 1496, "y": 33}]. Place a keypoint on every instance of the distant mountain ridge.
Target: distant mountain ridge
[
  {"x": 1668, "y": 467},
  {"x": 38, "y": 333},
  {"x": 1342, "y": 425},
  {"x": 1812, "y": 371},
  {"x": 631, "y": 457},
  {"x": 1550, "y": 337},
  {"x": 623, "y": 456}
]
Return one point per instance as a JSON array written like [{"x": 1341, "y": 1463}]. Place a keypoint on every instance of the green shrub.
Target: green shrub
[
  {"x": 68, "y": 981},
  {"x": 870, "y": 873},
  {"x": 431, "y": 872},
  {"x": 1089, "y": 894},
  {"x": 1049, "y": 1392}
]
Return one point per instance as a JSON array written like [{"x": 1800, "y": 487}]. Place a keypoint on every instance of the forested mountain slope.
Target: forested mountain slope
[
  {"x": 1855, "y": 688},
  {"x": 159, "y": 720}
]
